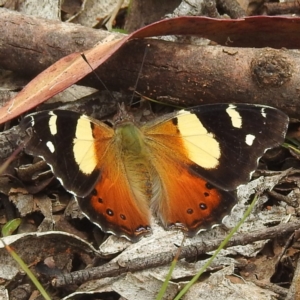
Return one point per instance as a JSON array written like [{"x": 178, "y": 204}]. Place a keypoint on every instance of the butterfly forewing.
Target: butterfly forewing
[
  {"x": 222, "y": 142},
  {"x": 64, "y": 139}
]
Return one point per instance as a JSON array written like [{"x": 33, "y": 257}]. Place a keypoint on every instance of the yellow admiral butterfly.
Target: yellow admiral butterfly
[{"x": 183, "y": 167}]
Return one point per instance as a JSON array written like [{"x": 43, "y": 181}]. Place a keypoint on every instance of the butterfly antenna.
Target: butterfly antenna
[
  {"x": 98, "y": 77},
  {"x": 139, "y": 74}
]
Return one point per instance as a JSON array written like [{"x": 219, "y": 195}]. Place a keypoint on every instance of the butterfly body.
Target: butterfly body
[{"x": 182, "y": 167}]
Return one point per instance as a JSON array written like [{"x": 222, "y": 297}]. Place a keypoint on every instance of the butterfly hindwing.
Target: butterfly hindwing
[{"x": 185, "y": 200}]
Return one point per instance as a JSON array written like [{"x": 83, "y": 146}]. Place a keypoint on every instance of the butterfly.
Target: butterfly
[{"x": 182, "y": 167}]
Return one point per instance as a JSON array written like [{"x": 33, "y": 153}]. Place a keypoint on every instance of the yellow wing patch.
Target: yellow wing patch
[
  {"x": 83, "y": 146},
  {"x": 201, "y": 145}
]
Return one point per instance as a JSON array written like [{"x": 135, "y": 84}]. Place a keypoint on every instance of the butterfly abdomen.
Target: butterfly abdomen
[{"x": 135, "y": 159}]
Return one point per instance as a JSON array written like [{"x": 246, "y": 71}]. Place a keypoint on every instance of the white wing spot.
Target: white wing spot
[
  {"x": 263, "y": 113},
  {"x": 236, "y": 119},
  {"x": 50, "y": 146},
  {"x": 32, "y": 121},
  {"x": 52, "y": 123},
  {"x": 249, "y": 139}
]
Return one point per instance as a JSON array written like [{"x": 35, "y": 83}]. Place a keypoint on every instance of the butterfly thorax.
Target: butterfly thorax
[{"x": 130, "y": 139}]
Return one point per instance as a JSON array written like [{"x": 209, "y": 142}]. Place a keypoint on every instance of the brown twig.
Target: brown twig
[
  {"x": 193, "y": 251},
  {"x": 281, "y": 8},
  {"x": 294, "y": 291},
  {"x": 283, "y": 198},
  {"x": 282, "y": 292}
]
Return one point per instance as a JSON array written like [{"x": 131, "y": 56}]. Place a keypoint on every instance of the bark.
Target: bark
[{"x": 176, "y": 73}]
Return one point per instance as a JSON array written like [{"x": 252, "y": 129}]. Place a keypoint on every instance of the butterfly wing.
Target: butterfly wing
[
  {"x": 64, "y": 139},
  {"x": 222, "y": 142},
  {"x": 84, "y": 155},
  {"x": 202, "y": 153}
]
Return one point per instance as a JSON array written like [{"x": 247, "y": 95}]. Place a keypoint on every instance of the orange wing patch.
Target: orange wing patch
[
  {"x": 113, "y": 204},
  {"x": 184, "y": 199},
  {"x": 188, "y": 201}
]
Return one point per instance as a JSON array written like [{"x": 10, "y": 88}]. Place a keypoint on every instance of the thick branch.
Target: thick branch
[{"x": 175, "y": 73}]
